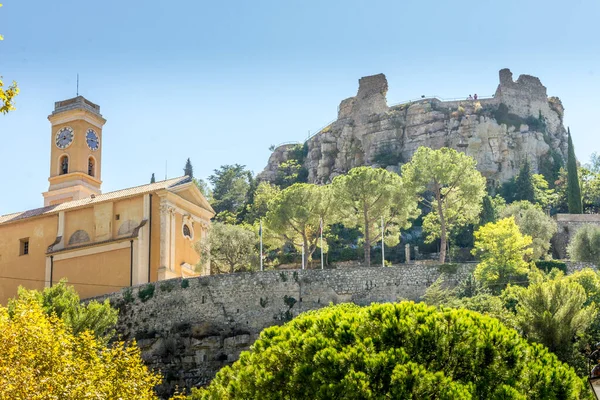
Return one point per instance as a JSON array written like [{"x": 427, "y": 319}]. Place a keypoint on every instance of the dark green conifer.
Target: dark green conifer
[
  {"x": 488, "y": 214},
  {"x": 573, "y": 190},
  {"x": 524, "y": 189},
  {"x": 188, "y": 169}
]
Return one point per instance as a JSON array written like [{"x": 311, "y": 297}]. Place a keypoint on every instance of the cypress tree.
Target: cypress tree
[
  {"x": 188, "y": 169},
  {"x": 524, "y": 184},
  {"x": 573, "y": 190},
  {"x": 488, "y": 214},
  {"x": 153, "y": 179}
]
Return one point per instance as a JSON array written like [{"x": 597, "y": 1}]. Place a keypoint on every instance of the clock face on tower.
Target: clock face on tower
[
  {"x": 91, "y": 138},
  {"x": 64, "y": 137}
]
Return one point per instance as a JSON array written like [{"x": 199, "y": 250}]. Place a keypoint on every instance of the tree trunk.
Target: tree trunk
[
  {"x": 443, "y": 236},
  {"x": 305, "y": 242},
  {"x": 367, "y": 239}
]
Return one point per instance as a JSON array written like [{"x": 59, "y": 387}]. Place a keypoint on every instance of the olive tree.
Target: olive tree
[
  {"x": 585, "y": 245},
  {"x": 228, "y": 248}
]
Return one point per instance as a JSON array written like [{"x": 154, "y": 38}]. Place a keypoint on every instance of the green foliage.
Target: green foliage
[
  {"x": 188, "y": 170},
  {"x": 534, "y": 222},
  {"x": 573, "y": 188},
  {"x": 258, "y": 208},
  {"x": 166, "y": 286},
  {"x": 185, "y": 283},
  {"x": 231, "y": 184},
  {"x": 63, "y": 301},
  {"x": 585, "y": 245},
  {"x": 128, "y": 295},
  {"x": 552, "y": 313},
  {"x": 594, "y": 164},
  {"x": 203, "y": 187},
  {"x": 502, "y": 249},
  {"x": 228, "y": 248},
  {"x": 549, "y": 265},
  {"x": 590, "y": 190},
  {"x": 295, "y": 215},
  {"x": 488, "y": 212},
  {"x": 524, "y": 189},
  {"x": 145, "y": 293},
  {"x": 290, "y": 172},
  {"x": 397, "y": 351},
  {"x": 542, "y": 194},
  {"x": 387, "y": 156},
  {"x": 367, "y": 195},
  {"x": 7, "y": 96},
  {"x": 458, "y": 190},
  {"x": 42, "y": 358}
]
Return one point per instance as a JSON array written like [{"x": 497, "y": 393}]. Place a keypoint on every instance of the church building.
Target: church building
[{"x": 100, "y": 242}]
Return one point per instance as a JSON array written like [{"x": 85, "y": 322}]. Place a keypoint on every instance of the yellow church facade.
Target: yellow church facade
[{"x": 99, "y": 242}]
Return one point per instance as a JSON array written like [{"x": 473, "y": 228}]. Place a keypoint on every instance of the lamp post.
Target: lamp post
[{"x": 594, "y": 378}]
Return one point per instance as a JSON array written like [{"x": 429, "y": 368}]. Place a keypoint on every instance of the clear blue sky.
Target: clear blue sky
[{"x": 220, "y": 81}]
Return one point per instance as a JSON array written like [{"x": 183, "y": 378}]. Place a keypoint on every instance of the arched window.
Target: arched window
[
  {"x": 91, "y": 167},
  {"x": 187, "y": 232},
  {"x": 64, "y": 165}
]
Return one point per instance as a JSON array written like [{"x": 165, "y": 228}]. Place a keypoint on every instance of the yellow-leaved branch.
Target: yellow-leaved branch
[{"x": 7, "y": 95}]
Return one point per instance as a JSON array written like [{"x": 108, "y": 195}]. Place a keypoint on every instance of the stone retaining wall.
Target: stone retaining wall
[{"x": 189, "y": 329}]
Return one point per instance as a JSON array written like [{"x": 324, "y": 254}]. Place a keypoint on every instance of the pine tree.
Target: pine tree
[
  {"x": 153, "y": 179},
  {"x": 488, "y": 213},
  {"x": 524, "y": 189},
  {"x": 188, "y": 169},
  {"x": 573, "y": 190}
]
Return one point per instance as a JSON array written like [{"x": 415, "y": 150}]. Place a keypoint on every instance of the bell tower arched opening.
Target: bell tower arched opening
[
  {"x": 63, "y": 165},
  {"x": 91, "y": 166}
]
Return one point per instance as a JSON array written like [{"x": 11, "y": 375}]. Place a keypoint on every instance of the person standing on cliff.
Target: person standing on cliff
[
  {"x": 475, "y": 96},
  {"x": 470, "y": 97}
]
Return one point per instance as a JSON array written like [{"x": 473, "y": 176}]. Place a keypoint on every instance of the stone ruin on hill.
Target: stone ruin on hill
[{"x": 519, "y": 122}]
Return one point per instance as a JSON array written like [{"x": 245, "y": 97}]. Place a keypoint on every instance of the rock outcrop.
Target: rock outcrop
[{"x": 519, "y": 122}]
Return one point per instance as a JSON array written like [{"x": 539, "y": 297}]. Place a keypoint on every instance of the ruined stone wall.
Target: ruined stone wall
[
  {"x": 192, "y": 328},
  {"x": 568, "y": 224},
  {"x": 366, "y": 128}
]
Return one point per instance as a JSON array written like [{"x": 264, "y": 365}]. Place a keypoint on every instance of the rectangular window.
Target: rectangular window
[{"x": 24, "y": 247}]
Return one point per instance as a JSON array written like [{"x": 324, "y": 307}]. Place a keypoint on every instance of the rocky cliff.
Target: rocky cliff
[{"x": 519, "y": 122}]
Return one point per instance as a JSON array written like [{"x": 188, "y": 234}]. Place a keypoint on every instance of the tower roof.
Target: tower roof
[{"x": 75, "y": 103}]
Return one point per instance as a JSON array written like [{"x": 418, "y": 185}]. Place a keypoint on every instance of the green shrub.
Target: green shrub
[
  {"x": 128, "y": 295},
  {"x": 166, "y": 286},
  {"x": 146, "y": 292},
  {"x": 387, "y": 156},
  {"x": 395, "y": 351},
  {"x": 548, "y": 265},
  {"x": 185, "y": 283}
]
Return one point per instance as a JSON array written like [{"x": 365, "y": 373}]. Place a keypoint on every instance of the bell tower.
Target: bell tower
[{"x": 76, "y": 151}]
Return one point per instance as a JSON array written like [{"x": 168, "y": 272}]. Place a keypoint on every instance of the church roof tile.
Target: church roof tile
[{"x": 132, "y": 191}]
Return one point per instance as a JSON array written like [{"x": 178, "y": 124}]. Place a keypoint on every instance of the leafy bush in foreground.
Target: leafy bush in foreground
[{"x": 400, "y": 351}]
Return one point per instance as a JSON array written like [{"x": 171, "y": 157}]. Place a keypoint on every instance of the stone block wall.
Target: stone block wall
[{"x": 189, "y": 329}]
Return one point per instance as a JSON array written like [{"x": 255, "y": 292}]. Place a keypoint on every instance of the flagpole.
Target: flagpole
[
  {"x": 322, "y": 243},
  {"x": 382, "y": 245},
  {"x": 261, "y": 246}
]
